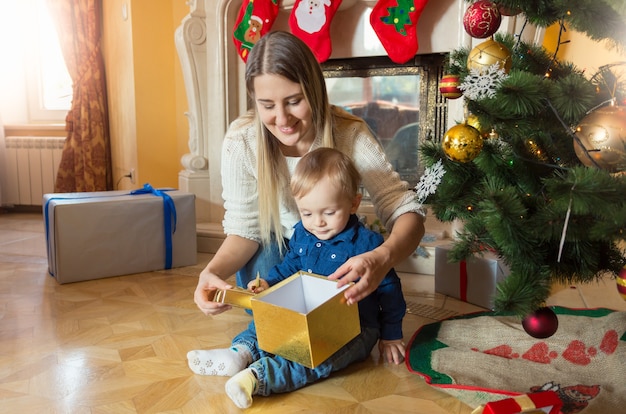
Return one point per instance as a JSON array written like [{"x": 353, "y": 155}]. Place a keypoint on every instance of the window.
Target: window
[
  {"x": 55, "y": 84},
  {"x": 400, "y": 103},
  {"x": 36, "y": 85}
]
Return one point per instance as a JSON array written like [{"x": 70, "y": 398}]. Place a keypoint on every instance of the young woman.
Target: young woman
[{"x": 292, "y": 116}]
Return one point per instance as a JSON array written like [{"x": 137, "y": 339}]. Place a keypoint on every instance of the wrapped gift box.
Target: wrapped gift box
[
  {"x": 545, "y": 402},
  {"x": 304, "y": 318},
  {"x": 473, "y": 280},
  {"x": 93, "y": 235}
]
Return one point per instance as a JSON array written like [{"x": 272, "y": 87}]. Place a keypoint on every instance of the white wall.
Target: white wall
[{"x": 587, "y": 54}]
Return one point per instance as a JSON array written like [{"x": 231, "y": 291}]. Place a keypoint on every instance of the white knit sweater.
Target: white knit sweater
[{"x": 390, "y": 196}]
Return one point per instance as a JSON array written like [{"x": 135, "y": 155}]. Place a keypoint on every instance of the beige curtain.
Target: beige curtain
[{"x": 86, "y": 160}]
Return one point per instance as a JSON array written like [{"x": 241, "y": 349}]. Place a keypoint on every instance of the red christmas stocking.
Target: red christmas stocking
[
  {"x": 255, "y": 19},
  {"x": 310, "y": 21},
  {"x": 395, "y": 24}
]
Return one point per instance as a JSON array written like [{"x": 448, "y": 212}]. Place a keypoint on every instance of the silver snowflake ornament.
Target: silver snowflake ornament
[
  {"x": 483, "y": 82},
  {"x": 429, "y": 182}
]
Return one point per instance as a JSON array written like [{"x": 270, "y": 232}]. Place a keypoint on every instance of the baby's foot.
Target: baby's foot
[
  {"x": 241, "y": 387},
  {"x": 222, "y": 362}
]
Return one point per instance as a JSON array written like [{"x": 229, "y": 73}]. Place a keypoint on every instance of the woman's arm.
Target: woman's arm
[
  {"x": 232, "y": 255},
  {"x": 371, "y": 267},
  {"x": 394, "y": 204}
]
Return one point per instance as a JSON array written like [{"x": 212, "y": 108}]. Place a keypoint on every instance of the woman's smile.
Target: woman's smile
[{"x": 288, "y": 129}]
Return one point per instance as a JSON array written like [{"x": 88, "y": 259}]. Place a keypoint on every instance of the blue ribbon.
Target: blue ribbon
[{"x": 169, "y": 218}]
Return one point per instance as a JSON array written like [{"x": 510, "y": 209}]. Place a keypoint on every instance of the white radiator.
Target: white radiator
[{"x": 32, "y": 165}]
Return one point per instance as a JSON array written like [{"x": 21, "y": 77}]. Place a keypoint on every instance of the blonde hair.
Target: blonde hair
[
  {"x": 281, "y": 53},
  {"x": 322, "y": 163}
]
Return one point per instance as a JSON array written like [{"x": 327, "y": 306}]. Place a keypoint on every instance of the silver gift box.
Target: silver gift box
[
  {"x": 93, "y": 235},
  {"x": 477, "y": 284}
]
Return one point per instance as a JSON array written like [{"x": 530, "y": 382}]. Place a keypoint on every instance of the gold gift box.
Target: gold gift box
[{"x": 304, "y": 318}]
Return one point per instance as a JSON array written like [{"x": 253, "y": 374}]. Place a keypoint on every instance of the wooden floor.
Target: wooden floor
[{"x": 119, "y": 345}]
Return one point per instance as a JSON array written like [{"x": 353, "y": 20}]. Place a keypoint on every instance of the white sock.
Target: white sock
[
  {"x": 223, "y": 362},
  {"x": 241, "y": 387}
]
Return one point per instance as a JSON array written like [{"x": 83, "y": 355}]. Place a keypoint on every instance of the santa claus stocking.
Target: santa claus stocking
[
  {"x": 310, "y": 21},
  {"x": 395, "y": 24},
  {"x": 255, "y": 19}
]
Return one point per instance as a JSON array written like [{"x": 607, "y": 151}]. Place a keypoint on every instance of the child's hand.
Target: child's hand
[
  {"x": 257, "y": 285},
  {"x": 392, "y": 351}
]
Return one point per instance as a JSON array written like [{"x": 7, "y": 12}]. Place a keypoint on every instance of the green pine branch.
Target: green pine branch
[{"x": 597, "y": 19}]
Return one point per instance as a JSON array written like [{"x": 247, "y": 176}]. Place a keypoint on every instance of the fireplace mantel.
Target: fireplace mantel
[{"x": 213, "y": 74}]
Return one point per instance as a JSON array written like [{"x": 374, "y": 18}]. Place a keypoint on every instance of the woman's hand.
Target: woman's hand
[
  {"x": 369, "y": 269},
  {"x": 208, "y": 284},
  {"x": 234, "y": 252},
  {"x": 392, "y": 351}
]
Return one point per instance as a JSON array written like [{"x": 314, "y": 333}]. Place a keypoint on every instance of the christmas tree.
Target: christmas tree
[{"x": 521, "y": 171}]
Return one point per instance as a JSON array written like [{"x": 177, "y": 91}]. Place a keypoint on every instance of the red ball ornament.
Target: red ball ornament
[
  {"x": 482, "y": 19},
  {"x": 621, "y": 282},
  {"x": 541, "y": 324},
  {"x": 449, "y": 86}
]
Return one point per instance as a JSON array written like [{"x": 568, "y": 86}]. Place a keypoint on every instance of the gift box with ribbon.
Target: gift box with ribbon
[
  {"x": 473, "y": 280},
  {"x": 545, "y": 402},
  {"x": 93, "y": 235}
]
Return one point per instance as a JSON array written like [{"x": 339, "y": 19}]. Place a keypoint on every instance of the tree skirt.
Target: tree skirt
[{"x": 484, "y": 357}]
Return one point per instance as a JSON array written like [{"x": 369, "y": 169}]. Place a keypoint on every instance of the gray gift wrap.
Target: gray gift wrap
[
  {"x": 473, "y": 280},
  {"x": 93, "y": 235}
]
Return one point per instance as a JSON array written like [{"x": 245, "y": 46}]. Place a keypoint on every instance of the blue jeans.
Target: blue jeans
[
  {"x": 277, "y": 374},
  {"x": 263, "y": 260}
]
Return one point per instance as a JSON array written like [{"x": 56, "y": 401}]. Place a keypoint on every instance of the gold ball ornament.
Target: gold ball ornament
[
  {"x": 602, "y": 135},
  {"x": 489, "y": 53},
  {"x": 462, "y": 143},
  {"x": 473, "y": 120}
]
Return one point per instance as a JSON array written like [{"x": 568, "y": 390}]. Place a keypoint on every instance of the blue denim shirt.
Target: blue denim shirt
[{"x": 384, "y": 308}]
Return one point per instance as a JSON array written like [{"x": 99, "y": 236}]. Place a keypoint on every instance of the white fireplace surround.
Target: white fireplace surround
[{"x": 214, "y": 79}]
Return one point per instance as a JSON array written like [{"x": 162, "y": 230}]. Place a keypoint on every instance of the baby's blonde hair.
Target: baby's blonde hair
[{"x": 321, "y": 163}]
